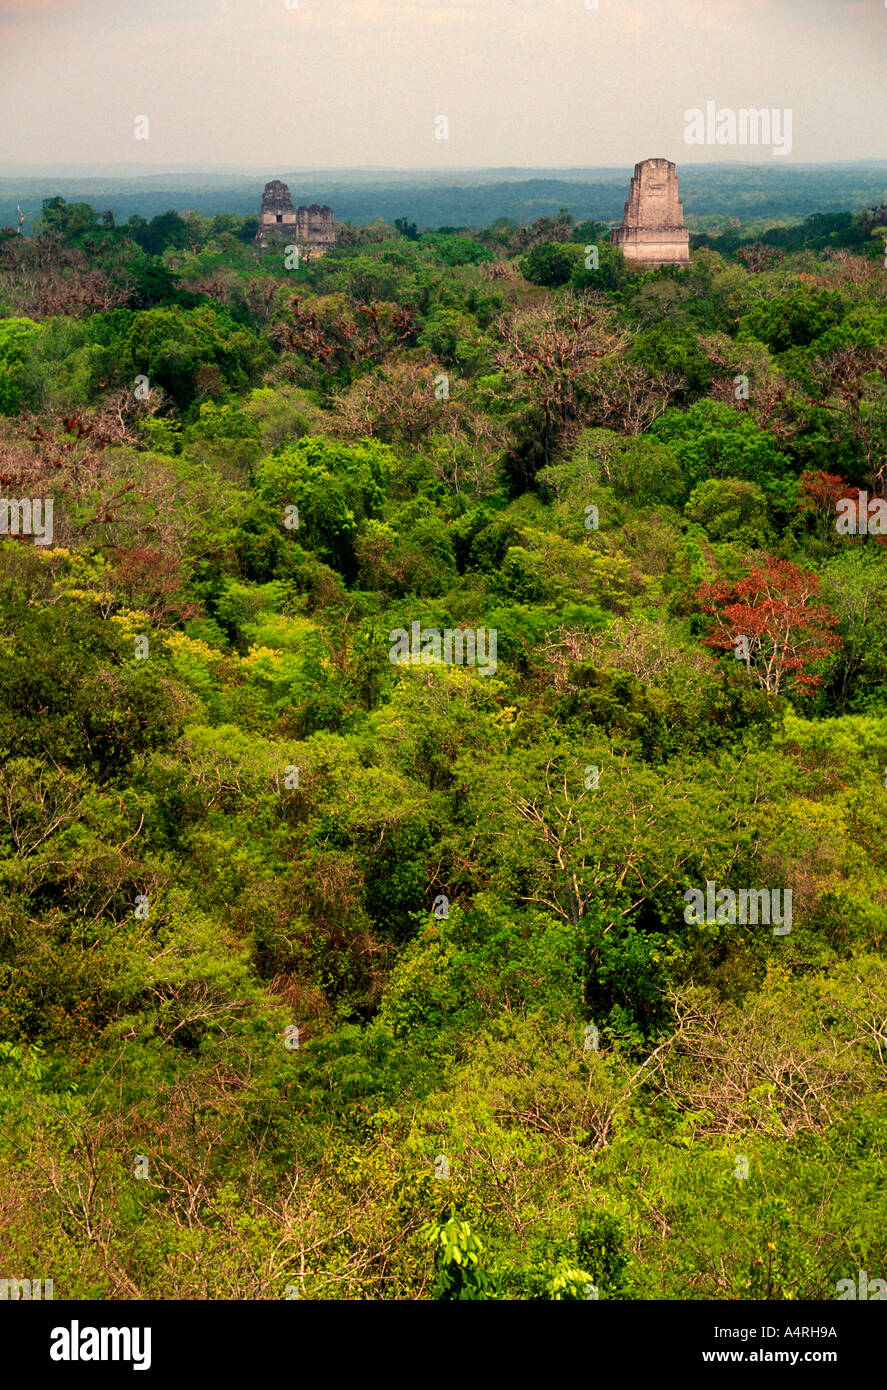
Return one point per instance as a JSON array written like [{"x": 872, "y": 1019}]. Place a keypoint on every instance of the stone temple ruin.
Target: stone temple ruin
[
  {"x": 652, "y": 229},
  {"x": 310, "y": 228}
]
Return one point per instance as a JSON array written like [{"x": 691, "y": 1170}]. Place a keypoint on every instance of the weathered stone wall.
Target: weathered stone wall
[
  {"x": 311, "y": 227},
  {"x": 315, "y": 224},
  {"x": 652, "y": 229},
  {"x": 277, "y": 209}
]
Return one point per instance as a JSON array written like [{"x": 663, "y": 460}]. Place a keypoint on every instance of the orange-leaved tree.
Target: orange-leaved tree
[
  {"x": 820, "y": 493},
  {"x": 773, "y": 621}
]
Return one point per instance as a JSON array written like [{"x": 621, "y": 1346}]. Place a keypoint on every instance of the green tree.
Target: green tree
[
  {"x": 17, "y": 336},
  {"x": 551, "y": 263},
  {"x": 730, "y": 509}
]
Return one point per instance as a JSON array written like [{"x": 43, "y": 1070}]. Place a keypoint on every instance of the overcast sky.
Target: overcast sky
[{"x": 344, "y": 83}]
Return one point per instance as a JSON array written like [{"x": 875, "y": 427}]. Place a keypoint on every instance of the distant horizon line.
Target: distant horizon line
[{"x": 120, "y": 169}]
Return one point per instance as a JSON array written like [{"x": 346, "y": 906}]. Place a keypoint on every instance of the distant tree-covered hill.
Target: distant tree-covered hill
[{"x": 471, "y": 198}]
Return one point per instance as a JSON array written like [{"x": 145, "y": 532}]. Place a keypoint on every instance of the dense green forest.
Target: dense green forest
[{"x": 332, "y": 968}]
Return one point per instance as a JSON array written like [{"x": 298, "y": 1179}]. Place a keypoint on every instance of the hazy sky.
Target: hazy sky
[{"x": 342, "y": 83}]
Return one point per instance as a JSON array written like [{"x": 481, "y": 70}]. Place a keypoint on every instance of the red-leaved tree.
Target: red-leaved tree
[
  {"x": 821, "y": 493},
  {"x": 785, "y": 629}
]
